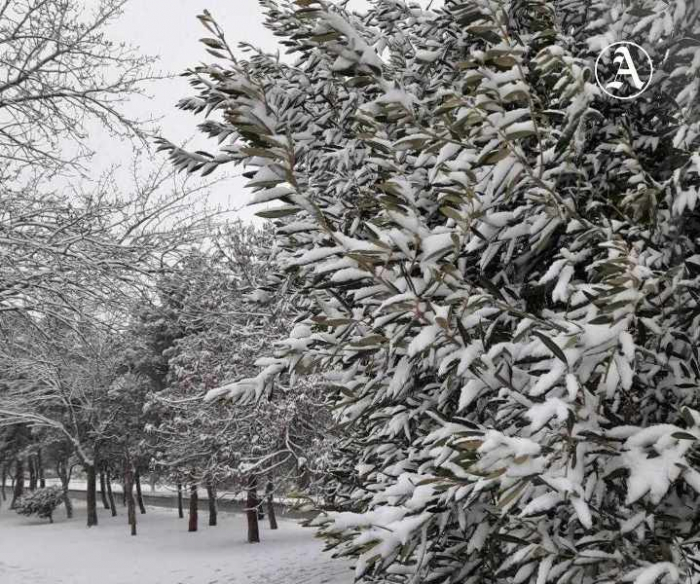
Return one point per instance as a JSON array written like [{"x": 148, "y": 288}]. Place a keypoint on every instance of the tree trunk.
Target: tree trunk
[
  {"x": 194, "y": 498},
  {"x": 130, "y": 503},
  {"x": 110, "y": 495},
  {"x": 31, "y": 463},
  {"x": 103, "y": 490},
  {"x": 91, "y": 495},
  {"x": 40, "y": 469},
  {"x": 269, "y": 488},
  {"x": 139, "y": 495},
  {"x": 180, "y": 511},
  {"x": 211, "y": 496},
  {"x": 123, "y": 491},
  {"x": 252, "y": 510},
  {"x": 4, "y": 480},
  {"x": 19, "y": 482},
  {"x": 62, "y": 472}
]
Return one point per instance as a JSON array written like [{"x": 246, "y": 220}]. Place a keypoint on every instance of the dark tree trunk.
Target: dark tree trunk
[
  {"x": 139, "y": 495},
  {"x": 123, "y": 491},
  {"x": 211, "y": 496},
  {"x": 62, "y": 472},
  {"x": 194, "y": 499},
  {"x": 180, "y": 510},
  {"x": 4, "y": 480},
  {"x": 40, "y": 469},
  {"x": 130, "y": 503},
  {"x": 252, "y": 510},
  {"x": 19, "y": 482},
  {"x": 31, "y": 463},
  {"x": 91, "y": 495},
  {"x": 110, "y": 495},
  {"x": 103, "y": 490},
  {"x": 269, "y": 489}
]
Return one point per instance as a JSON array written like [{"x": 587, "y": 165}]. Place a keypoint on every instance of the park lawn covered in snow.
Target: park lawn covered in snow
[{"x": 32, "y": 551}]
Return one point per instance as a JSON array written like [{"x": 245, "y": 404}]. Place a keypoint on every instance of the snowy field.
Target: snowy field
[{"x": 32, "y": 551}]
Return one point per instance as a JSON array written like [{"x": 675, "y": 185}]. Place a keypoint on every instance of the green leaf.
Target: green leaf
[
  {"x": 552, "y": 346},
  {"x": 370, "y": 340},
  {"x": 277, "y": 212},
  {"x": 683, "y": 436},
  {"x": 212, "y": 43}
]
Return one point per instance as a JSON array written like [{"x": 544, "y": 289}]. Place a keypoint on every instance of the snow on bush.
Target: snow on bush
[
  {"x": 41, "y": 502},
  {"x": 500, "y": 268}
]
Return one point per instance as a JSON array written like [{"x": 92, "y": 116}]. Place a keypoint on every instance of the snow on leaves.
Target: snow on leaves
[{"x": 499, "y": 279}]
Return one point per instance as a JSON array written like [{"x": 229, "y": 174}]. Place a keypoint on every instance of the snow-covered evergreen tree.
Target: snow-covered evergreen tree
[{"x": 501, "y": 271}]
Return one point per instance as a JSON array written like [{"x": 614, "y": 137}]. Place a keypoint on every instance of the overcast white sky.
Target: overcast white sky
[{"x": 170, "y": 30}]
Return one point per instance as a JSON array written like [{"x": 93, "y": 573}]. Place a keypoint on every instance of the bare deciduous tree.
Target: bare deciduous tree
[{"x": 58, "y": 72}]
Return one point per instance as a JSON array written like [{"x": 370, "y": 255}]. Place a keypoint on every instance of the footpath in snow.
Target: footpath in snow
[{"x": 32, "y": 551}]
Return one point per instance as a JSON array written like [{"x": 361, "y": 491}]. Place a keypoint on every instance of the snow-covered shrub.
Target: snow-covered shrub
[
  {"x": 41, "y": 502},
  {"x": 500, "y": 265}
]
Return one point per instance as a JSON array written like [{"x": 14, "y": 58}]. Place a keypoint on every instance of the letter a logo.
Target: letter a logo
[
  {"x": 626, "y": 67},
  {"x": 624, "y": 70}
]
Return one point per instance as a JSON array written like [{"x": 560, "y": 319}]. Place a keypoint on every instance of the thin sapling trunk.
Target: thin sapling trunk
[
  {"x": 211, "y": 497},
  {"x": 194, "y": 501},
  {"x": 180, "y": 510},
  {"x": 252, "y": 511},
  {"x": 103, "y": 490},
  {"x": 91, "y": 495},
  {"x": 269, "y": 490},
  {"x": 139, "y": 495}
]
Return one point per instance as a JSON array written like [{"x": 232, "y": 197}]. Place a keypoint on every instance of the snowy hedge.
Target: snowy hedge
[{"x": 501, "y": 269}]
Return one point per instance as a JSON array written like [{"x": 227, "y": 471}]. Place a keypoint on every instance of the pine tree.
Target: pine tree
[{"x": 500, "y": 265}]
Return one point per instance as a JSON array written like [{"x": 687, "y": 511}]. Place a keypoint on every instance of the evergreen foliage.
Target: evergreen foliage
[
  {"x": 501, "y": 266},
  {"x": 41, "y": 502}
]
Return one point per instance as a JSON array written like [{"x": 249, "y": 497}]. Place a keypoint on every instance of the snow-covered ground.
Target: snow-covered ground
[{"x": 32, "y": 551}]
